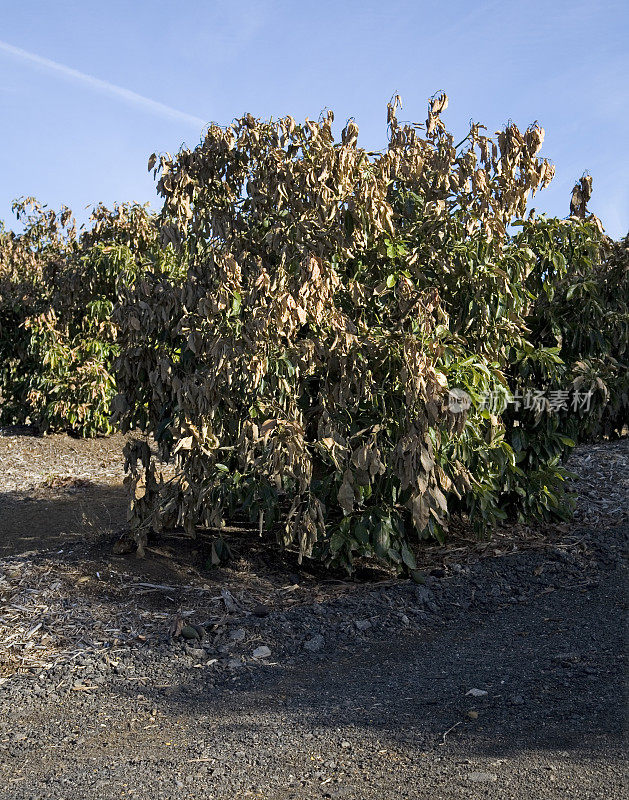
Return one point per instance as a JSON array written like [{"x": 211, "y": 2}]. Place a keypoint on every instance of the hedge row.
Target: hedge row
[
  {"x": 58, "y": 287},
  {"x": 349, "y": 347}
]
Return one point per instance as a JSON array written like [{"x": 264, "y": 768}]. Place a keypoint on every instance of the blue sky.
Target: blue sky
[{"x": 129, "y": 78}]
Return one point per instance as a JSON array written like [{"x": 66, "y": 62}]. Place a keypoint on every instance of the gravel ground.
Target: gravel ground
[{"x": 500, "y": 674}]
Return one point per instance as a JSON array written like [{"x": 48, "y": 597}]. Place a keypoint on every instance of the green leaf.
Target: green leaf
[
  {"x": 407, "y": 557},
  {"x": 236, "y": 304}
]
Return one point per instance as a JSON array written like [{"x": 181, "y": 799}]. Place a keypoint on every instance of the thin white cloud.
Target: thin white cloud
[{"x": 105, "y": 87}]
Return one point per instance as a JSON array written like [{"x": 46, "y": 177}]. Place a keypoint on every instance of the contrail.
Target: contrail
[{"x": 103, "y": 86}]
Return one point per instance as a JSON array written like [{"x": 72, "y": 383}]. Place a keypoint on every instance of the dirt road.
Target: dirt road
[{"x": 498, "y": 678}]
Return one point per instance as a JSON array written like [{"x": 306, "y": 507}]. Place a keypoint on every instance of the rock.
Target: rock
[
  {"x": 315, "y": 644},
  {"x": 425, "y": 597},
  {"x": 189, "y": 632},
  {"x": 228, "y": 599},
  {"x": 261, "y": 611},
  {"x": 261, "y": 652},
  {"x": 476, "y": 693},
  {"x": 362, "y": 624},
  {"x": 518, "y": 700},
  {"x": 346, "y": 745},
  {"x": 238, "y": 635}
]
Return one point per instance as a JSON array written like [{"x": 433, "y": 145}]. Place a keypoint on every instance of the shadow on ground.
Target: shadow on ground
[
  {"x": 40, "y": 521},
  {"x": 387, "y": 716},
  {"x": 553, "y": 668}
]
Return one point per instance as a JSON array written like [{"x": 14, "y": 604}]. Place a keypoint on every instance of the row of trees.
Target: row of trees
[
  {"x": 58, "y": 288},
  {"x": 349, "y": 347}
]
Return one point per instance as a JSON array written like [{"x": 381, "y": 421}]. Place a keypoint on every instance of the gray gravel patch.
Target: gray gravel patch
[{"x": 339, "y": 709}]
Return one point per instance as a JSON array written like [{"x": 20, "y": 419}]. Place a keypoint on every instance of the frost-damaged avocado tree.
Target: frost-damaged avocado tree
[
  {"x": 58, "y": 287},
  {"x": 301, "y": 371}
]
